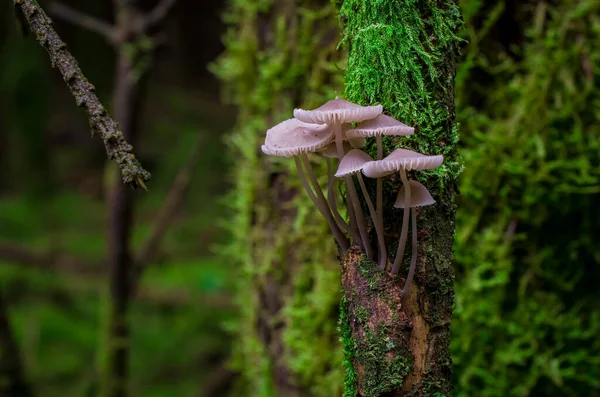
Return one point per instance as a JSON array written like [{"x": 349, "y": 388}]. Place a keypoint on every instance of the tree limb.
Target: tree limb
[
  {"x": 166, "y": 213},
  {"x": 47, "y": 260},
  {"x": 101, "y": 123},
  {"x": 159, "y": 13},
  {"x": 84, "y": 21}
]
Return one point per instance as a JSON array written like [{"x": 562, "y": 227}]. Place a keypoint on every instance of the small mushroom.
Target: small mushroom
[
  {"x": 402, "y": 160},
  {"x": 419, "y": 197},
  {"x": 294, "y": 138},
  {"x": 378, "y": 127},
  {"x": 330, "y": 153},
  {"x": 336, "y": 112},
  {"x": 352, "y": 164}
]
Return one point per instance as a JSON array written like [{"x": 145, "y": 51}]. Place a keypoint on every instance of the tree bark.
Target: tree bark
[
  {"x": 101, "y": 123},
  {"x": 120, "y": 220},
  {"x": 132, "y": 69},
  {"x": 276, "y": 53},
  {"x": 402, "y": 55}
]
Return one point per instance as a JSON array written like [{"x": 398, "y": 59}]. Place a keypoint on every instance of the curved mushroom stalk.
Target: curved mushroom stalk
[
  {"x": 335, "y": 113},
  {"x": 352, "y": 164},
  {"x": 294, "y": 138},
  {"x": 401, "y": 160},
  {"x": 352, "y": 229},
  {"x": 419, "y": 196},
  {"x": 378, "y": 127},
  {"x": 404, "y": 231}
]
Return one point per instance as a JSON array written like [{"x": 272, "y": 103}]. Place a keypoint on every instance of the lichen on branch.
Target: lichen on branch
[{"x": 100, "y": 121}]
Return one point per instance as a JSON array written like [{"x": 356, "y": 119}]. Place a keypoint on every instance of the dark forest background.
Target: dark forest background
[{"x": 527, "y": 314}]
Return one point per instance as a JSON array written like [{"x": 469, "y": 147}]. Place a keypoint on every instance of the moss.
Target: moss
[
  {"x": 385, "y": 365},
  {"x": 271, "y": 65},
  {"x": 399, "y": 54},
  {"x": 402, "y": 55},
  {"x": 526, "y": 318},
  {"x": 349, "y": 346}
]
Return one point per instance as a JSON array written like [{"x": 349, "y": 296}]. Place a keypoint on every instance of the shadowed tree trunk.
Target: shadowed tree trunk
[
  {"x": 134, "y": 61},
  {"x": 279, "y": 56},
  {"x": 120, "y": 219},
  {"x": 402, "y": 55}
]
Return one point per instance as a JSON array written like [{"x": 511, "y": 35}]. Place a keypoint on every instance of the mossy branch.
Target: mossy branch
[{"x": 101, "y": 123}]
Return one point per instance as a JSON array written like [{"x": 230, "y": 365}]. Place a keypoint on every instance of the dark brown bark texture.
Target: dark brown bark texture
[{"x": 130, "y": 85}]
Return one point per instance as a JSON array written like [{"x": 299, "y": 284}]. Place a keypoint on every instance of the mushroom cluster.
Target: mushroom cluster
[{"x": 328, "y": 131}]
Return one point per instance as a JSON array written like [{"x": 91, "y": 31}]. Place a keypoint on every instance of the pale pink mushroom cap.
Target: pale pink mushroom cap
[
  {"x": 419, "y": 196},
  {"x": 293, "y": 137},
  {"x": 352, "y": 163},
  {"x": 380, "y": 125},
  {"x": 401, "y": 158},
  {"x": 338, "y": 111}
]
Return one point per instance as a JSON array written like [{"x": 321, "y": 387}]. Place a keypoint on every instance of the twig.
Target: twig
[
  {"x": 84, "y": 21},
  {"x": 47, "y": 260},
  {"x": 101, "y": 123},
  {"x": 167, "y": 212},
  {"x": 159, "y": 13}
]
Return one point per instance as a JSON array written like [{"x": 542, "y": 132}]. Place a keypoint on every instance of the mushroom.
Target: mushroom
[
  {"x": 352, "y": 164},
  {"x": 330, "y": 153},
  {"x": 336, "y": 112},
  {"x": 402, "y": 160},
  {"x": 294, "y": 138},
  {"x": 377, "y": 127},
  {"x": 419, "y": 197},
  {"x": 331, "y": 150}
]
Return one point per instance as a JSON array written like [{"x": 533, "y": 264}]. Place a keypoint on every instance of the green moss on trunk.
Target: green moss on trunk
[
  {"x": 281, "y": 54},
  {"x": 402, "y": 54}
]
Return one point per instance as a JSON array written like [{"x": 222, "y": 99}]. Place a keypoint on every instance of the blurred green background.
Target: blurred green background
[{"x": 527, "y": 317}]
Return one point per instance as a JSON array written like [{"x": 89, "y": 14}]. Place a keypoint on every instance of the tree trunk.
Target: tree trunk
[
  {"x": 276, "y": 59},
  {"x": 130, "y": 84},
  {"x": 120, "y": 220},
  {"x": 402, "y": 55}
]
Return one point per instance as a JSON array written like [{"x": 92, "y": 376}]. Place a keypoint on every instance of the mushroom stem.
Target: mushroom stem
[
  {"x": 339, "y": 144},
  {"x": 413, "y": 258},
  {"x": 360, "y": 218},
  {"x": 321, "y": 205},
  {"x": 379, "y": 198},
  {"x": 333, "y": 205},
  {"x": 404, "y": 232},
  {"x": 352, "y": 196},
  {"x": 378, "y": 228}
]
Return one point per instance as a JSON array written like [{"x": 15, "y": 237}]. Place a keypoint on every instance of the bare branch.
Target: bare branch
[
  {"x": 101, "y": 123},
  {"x": 82, "y": 20},
  {"x": 159, "y": 13},
  {"x": 47, "y": 260},
  {"x": 167, "y": 211}
]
